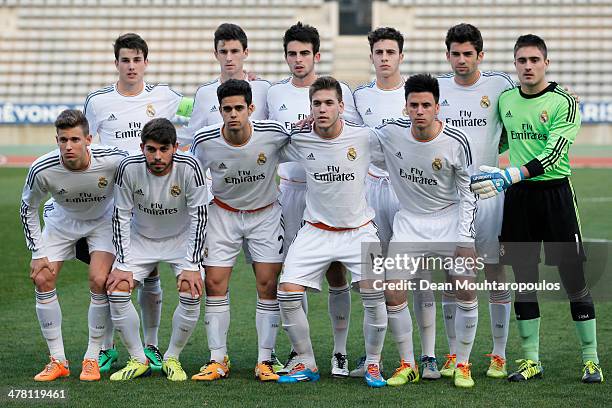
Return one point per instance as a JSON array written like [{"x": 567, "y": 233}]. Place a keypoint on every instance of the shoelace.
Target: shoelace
[
  {"x": 49, "y": 366},
  {"x": 296, "y": 368},
  {"x": 465, "y": 369},
  {"x": 361, "y": 362},
  {"x": 374, "y": 370},
  {"x": 450, "y": 358},
  {"x": 341, "y": 359},
  {"x": 497, "y": 360},
  {"x": 88, "y": 366},
  {"x": 175, "y": 361},
  {"x": 431, "y": 363},
  {"x": 268, "y": 365},
  {"x": 590, "y": 367},
  {"x": 402, "y": 366},
  {"x": 527, "y": 368},
  {"x": 157, "y": 353}
]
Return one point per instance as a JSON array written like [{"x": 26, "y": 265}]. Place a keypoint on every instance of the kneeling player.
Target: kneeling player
[
  {"x": 336, "y": 157},
  {"x": 242, "y": 156},
  {"x": 428, "y": 162},
  {"x": 159, "y": 216},
  {"x": 79, "y": 179}
]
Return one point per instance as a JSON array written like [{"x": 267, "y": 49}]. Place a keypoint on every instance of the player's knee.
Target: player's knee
[
  {"x": 97, "y": 283},
  {"x": 44, "y": 281},
  {"x": 122, "y": 286},
  {"x": 495, "y": 273},
  {"x": 184, "y": 287},
  {"x": 395, "y": 297},
  {"x": 465, "y": 295},
  {"x": 267, "y": 289}
]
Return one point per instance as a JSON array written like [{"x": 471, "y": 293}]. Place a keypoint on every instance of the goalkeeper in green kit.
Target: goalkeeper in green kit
[{"x": 541, "y": 120}]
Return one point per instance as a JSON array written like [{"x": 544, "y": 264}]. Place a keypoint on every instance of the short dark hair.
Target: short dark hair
[
  {"x": 325, "y": 82},
  {"x": 228, "y": 32},
  {"x": 422, "y": 83},
  {"x": 462, "y": 33},
  {"x": 71, "y": 118},
  {"x": 303, "y": 33},
  {"x": 235, "y": 87},
  {"x": 386, "y": 33},
  {"x": 159, "y": 130},
  {"x": 131, "y": 41},
  {"x": 531, "y": 40}
]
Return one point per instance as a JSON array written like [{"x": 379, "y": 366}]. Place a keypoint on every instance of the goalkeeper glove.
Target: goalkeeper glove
[{"x": 493, "y": 180}]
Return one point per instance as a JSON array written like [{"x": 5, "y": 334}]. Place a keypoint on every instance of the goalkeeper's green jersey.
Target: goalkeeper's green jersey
[{"x": 539, "y": 130}]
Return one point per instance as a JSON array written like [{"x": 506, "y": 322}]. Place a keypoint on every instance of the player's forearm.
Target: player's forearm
[
  {"x": 556, "y": 148},
  {"x": 32, "y": 230}
]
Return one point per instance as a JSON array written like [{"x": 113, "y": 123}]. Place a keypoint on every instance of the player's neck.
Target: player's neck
[
  {"x": 238, "y": 137},
  {"x": 130, "y": 89},
  {"x": 390, "y": 83},
  {"x": 467, "y": 80},
  {"x": 428, "y": 133},
  {"x": 305, "y": 81},
  {"x": 331, "y": 132},
  {"x": 242, "y": 75},
  {"x": 534, "y": 89}
]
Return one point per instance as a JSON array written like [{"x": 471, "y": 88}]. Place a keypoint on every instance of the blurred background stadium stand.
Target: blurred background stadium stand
[{"x": 54, "y": 52}]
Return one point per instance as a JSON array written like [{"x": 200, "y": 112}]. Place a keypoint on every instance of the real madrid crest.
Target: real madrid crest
[
  {"x": 206, "y": 252},
  {"x": 102, "y": 182},
  {"x": 351, "y": 154},
  {"x": 175, "y": 191},
  {"x": 261, "y": 159},
  {"x": 436, "y": 164},
  {"x": 544, "y": 116},
  {"x": 150, "y": 110},
  {"x": 485, "y": 102}
]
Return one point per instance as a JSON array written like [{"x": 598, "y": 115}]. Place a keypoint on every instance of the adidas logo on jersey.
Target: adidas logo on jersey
[
  {"x": 222, "y": 166},
  {"x": 399, "y": 155},
  {"x": 368, "y": 112},
  {"x": 508, "y": 114},
  {"x": 310, "y": 157},
  {"x": 61, "y": 192},
  {"x": 139, "y": 192},
  {"x": 214, "y": 108},
  {"x": 112, "y": 117},
  {"x": 282, "y": 108},
  {"x": 445, "y": 103}
]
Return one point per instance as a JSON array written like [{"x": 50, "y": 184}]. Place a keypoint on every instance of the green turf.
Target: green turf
[{"x": 23, "y": 350}]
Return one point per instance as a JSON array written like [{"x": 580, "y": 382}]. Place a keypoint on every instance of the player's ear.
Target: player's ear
[
  {"x": 88, "y": 139},
  {"x": 246, "y": 53},
  {"x": 251, "y": 109},
  {"x": 448, "y": 55},
  {"x": 142, "y": 147},
  {"x": 401, "y": 57},
  {"x": 317, "y": 57},
  {"x": 341, "y": 106}
]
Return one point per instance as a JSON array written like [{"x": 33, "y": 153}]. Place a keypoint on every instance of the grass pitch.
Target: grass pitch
[{"x": 23, "y": 351}]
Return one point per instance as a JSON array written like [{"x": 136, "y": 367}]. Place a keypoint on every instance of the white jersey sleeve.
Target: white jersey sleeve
[{"x": 350, "y": 112}]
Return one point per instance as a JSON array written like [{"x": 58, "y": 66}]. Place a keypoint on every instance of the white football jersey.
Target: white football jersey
[
  {"x": 473, "y": 109},
  {"x": 119, "y": 119},
  {"x": 378, "y": 106},
  {"x": 78, "y": 195},
  {"x": 335, "y": 175},
  {"x": 243, "y": 177},
  {"x": 206, "y": 107},
  {"x": 288, "y": 103},
  {"x": 430, "y": 176},
  {"x": 160, "y": 207}
]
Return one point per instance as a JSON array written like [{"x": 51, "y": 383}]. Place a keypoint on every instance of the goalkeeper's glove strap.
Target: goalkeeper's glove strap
[{"x": 535, "y": 168}]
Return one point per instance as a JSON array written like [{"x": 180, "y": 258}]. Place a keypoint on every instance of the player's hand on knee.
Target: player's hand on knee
[
  {"x": 116, "y": 277},
  {"x": 191, "y": 278},
  {"x": 465, "y": 252},
  {"x": 493, "y": 180},
  {"x": 37, "y": 265}
]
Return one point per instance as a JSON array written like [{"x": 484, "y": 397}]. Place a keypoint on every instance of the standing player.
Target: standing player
[
  {"x": 159, "y": 216},
  {"x": 541, "y": 121},
  {"x": 288, "y": 102},
  {"x": 117, "y": 114},
  {"x": 379, "y": 102},
  {"x": 469, "y": 102},
  {"x": 429, "y": 165},
  {"x": 335, "y": 155},
  {"x": 79, "y": 179},
  {"x": 242, "y": 156},
  {"x": 231, "y": 50}
]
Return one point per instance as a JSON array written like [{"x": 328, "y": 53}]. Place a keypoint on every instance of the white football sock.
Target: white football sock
[
  {"x": 50, "y": 319},
  {"x": 97, "y": 317},
  {"x": 339, "y": 306},
  {"x": 217, "y": 321},
  {"x": 374, "y": 324},
  {"x": 267, "y": 320},
  {"x": 499, "y": 310},
  {"x": 400, "y": 324},
  {"x": 127, "y": 324},
  {"x": 466, "y": 322},
  {"x": 296, "y": 325},
  {"x": 449, "y": 309},
  {"x": 150, "y": 301},
  {"x": 185, "y": 319},
  {"x": 424, "y": 305}
]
